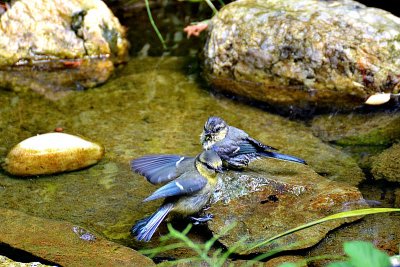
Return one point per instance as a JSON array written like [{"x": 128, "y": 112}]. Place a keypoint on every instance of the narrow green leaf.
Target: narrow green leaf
[
  {"x": 154, "y": 25},
  {"x": 341, "y": 215}
]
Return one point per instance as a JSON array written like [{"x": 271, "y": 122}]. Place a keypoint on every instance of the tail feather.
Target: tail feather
[
  {"x": 144, "y": 229},
  {"x": 280, "y": 156}
]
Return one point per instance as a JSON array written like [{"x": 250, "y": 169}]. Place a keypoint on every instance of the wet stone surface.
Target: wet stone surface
[
  {"x": 304, "y": 54},
  {"x": 387, "y": 164},
  {"x": 273, "y": 197},
  {"x": 358, "y": 129},
  {"x": 152, "y": 106},
  {"x": 381, "y": 229},
  {"x": 64, "y": 243},
  {"x": 4, "y": 261},
  {"x": 53, "y": 46}
]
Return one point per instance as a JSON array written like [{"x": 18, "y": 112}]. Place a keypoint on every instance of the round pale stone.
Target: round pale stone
[{"x": 52, "y": 153}]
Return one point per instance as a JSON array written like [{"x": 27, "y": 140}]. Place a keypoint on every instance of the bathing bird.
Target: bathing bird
[
  {"x": 235, "y": 147},
  {"x": 189, "y": 185}
]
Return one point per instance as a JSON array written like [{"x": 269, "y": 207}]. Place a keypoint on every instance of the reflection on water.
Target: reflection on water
[{"x": 151, "y": 106}]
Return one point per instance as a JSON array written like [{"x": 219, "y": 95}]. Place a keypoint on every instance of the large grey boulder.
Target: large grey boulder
[{"x": 303, "y": 53}]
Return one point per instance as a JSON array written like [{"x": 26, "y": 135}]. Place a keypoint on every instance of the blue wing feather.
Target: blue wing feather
[
  {"x": 159, "y": 168},
  {"x": 180, "y": 186},
  {"x": 280, "y": 156}
]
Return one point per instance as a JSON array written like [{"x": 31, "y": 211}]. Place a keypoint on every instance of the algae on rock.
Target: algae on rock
[
  {"x": 372, "y": 129},
  {"x": 303, "y": 53},
  {"x": 51, "y": 46},
  {"x": 270, "y": 198},
  {"x": 387, "y": 164},
  {"x": 143, "y": 110}
]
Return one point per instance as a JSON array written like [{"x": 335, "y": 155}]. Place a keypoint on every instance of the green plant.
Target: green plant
[
  {"x": 153, "y": 24},
  {"x": 216, "y": 259},
  {"x": 357, "y": 251},
  {"x": 362, "y": 254},
  {"x": 359, "y": 254}
]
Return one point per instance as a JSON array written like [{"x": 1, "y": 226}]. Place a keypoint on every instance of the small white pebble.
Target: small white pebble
[{"x": 378, "y": 99}]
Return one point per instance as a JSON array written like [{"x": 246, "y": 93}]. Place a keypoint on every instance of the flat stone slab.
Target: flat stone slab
[
  {"x": 64, "y": 243},
  {"x": 373, "y": 129},
  {"x": 269, "y": 199}
]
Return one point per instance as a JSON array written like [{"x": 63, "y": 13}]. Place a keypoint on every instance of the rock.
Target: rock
[
  {"x": 52, "y": 153},
  {"x": 387, "y": 165},
  {"x": 307, "y": 53},
  {"x": 275, "y": 262},
  {"x": 4, "y": 261},
  {"x": 373, "y": 129},
  {"x": 271, "y": 198},
  {"x": 380, "y": 229},
  {"x": 142, "y": 111},
  {"x": 59, "y": 45},
  {"x": 64, "y": 243}
]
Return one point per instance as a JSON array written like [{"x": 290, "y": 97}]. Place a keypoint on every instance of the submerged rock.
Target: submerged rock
[
  {"x": 373, "y": 129},
  {"x": 57, "y": 241},
  {"x": 387, "y": 165},
  {"x": 142, "y": 111},
  {"x": 59, "y": 45},
  {"x": 52, "y": 153},
  {"x": 269, "y": 199},
  {"x": 305, "y": 53}
]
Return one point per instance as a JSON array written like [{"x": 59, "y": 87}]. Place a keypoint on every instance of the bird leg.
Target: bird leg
[{"x": 207, "y": 217}]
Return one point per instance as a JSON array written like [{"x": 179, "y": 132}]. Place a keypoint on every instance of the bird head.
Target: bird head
[
  {"x": 215, "y": 130},
  {"x": 208, "y": 163}
]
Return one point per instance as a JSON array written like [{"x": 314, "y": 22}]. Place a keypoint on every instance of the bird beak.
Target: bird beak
[{"x": 219, "y": 170}]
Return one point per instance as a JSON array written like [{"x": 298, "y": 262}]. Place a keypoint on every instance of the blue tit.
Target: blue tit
[
  {"x": 191, "y": 182},
  {"x": 235, "y": 147}
]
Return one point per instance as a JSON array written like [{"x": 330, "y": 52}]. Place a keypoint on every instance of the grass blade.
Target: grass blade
[{"x": 341, "y": 215}]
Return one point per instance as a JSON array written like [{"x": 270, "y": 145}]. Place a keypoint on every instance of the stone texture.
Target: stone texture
[
  {"x": 305, "y": 54},
  {"x": 387, "y": 165},
  {"x": 382, "y": 230},
  {"x": 4, "y": 261},
  {"x": 52, "y": 153},
  {"x": 64, "y": 243},
  {"x": 145, "y": 110},
  {"x": 397, "y": 198},
  {"x": 271, "y": 198},
  {"x": 59, "y": 45},
  {"x": 373, "y": 129},
  {"x": 275, "y": 262}
]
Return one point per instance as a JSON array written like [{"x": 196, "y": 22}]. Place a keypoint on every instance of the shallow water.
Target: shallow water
[{"x": 151, "y": 106}]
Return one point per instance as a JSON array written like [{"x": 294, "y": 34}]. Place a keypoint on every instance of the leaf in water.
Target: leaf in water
[
  {"x": 364, "y": 254},
  {"x": 378, "y": 99}
]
